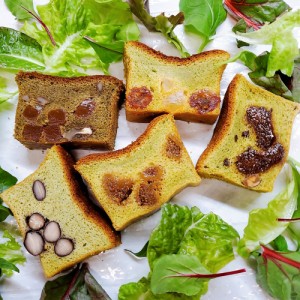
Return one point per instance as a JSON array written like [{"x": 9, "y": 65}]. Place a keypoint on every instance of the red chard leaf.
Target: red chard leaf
[{"x": 256, "y": 13}]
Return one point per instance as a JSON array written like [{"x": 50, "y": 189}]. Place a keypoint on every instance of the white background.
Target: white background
[{"x": 115, "y": 267}]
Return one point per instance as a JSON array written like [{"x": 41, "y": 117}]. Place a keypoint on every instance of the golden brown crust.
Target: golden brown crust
[
  {"x": 134, "y": 145},
  {"x": 174, "y": 59},
  {"x": 140, "y": 76}
]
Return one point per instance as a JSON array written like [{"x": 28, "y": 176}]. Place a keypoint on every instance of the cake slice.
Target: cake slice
[
  {"x": 251, "y": 140},
  {"x": 80, "y": 112},
  {"x": 55, "y": 219},
  {"x": 188, "y": 88},
  {"x": 133, "y": 182}
]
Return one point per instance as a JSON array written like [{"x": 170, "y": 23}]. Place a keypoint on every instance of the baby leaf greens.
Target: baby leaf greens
[
  {"x": 66, "y": 22},
  {"x": 4, "y": 95},
  {"x": 15, "y": 7},
  {"x": 183, "y": 252},
  {"x": 19, "y": 51},
  {"x": 278, "y": 269},
  {"x": 284, "y": 45},
  {"x": 202, "y": 17},
  {"x": 161, "y": 23},
  {"x": 78, "y": 284},
  {"x": 256, "y": 13}
]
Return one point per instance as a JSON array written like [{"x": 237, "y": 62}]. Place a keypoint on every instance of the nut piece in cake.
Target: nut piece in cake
[
  {"x": 80, "y": 112},
  {"x": 134, "y": 182},
  {"x": 188, "y": 88},
  {"x": 56, "y": 220},
  {"x": 251, "y": 140}
]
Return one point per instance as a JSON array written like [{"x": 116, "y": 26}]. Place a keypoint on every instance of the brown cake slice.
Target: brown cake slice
[{"x": 80, "y": 112}]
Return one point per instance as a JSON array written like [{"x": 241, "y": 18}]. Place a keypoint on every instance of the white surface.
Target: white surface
[{"x": 114, "y": 268}]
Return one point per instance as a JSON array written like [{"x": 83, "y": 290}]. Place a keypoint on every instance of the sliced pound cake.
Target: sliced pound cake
[
  {"x": 55, "y": 219},
  {"x": 188, "y": 88},
  {"x": 80, "y": 111},
  {"x": 251, "y": 140},
  {"x": 133, "y": 182}
]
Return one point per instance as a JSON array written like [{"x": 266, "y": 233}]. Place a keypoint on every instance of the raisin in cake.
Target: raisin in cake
[
  {"x": 188, "y": 88},
  {"x": 80, "y": 111},
  {"x": 251, "y": 140},
  {"x": 133, "y": 182},
  {"x": 55, "y": 219}
]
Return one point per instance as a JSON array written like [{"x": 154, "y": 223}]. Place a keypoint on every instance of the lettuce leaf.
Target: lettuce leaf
[
  {"x": 4, "y": 96},
  {"x": 202, "y": 17},
  {"x": 141, "y": 290},
  {"x": 160, "y": 23},
  {"x": 106, "y": 22},
  {"x": 183, "y": 234},
  {"x": 284, "y": 45},
  {"x": 263, "y": 226},
  {"x": 15, "y": 7},
  {"x": 188, "y": 231},
  {"x": 19, "y": 51},
  {"x": 11, "y": 252}
]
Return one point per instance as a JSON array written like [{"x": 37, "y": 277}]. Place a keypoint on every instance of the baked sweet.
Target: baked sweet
[
  {"x": 133, "y": 182},
  {"x": 55, "y": 219},
  {"x": 188, "y": 88},
  {"x": 80, "y": 111},
  {"x": 251, "y": 140}
]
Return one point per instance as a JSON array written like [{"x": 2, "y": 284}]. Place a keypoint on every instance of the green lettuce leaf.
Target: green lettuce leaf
[
  {"x": 258, "y": 66},
  {"x": 188, "y": 231},
  {"x": 202, "y": 17},
  {"x": 11, "y": 252},
  {"x": 279, "y": 279},
  {"x": 263, "y": 226},
  {"x": 19, "y": 51},
  {"x": 15, "y": 7},
  {"x": 106, "y": 22},
  {"x": 189, "y": 235},
  {"x": 165, "y": 277},
  {"x": 284, "y": 45},
  {"x": 141, "y": 290},
  {"x": 160, "y": 23},
  {"x": 5, "y": 95}
]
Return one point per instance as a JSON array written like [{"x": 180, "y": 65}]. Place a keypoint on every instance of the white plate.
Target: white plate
[{"x": 114, "y": 268}]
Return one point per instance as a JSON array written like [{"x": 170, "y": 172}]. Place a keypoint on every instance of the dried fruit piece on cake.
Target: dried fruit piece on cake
[
  {"x": 133, "y": 182},
  {"x": 81, "y": 111},
  {"x": 56, "y": 220},
  {"x": 188, "y": 88},
  {"x": 251, "y": 140}
]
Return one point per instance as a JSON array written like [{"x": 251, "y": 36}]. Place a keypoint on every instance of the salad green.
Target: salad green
[
  {"x": 108, "y": 23},
  {"x": 265, "y": 240},
  {"x": 5, "y": 95},
  {"x": 202, "y": 18},
  {"x": 77, "y": 284},
  {"x": 185, "y": 237},
  {"x": 15, "y": 8},
  {"x": 279, "y": 35},
  {"x": 160, "y": 23}
]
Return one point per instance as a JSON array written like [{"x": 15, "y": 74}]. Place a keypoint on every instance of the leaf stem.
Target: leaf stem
[
  {"x": 240, "y": 15},
  {"x": 288, "y": 220},
  {"x": 71, "y": 284},
  {"x": 209, "y": 276},
  {"x": 42, "y": 23},
  {"x": 269, "y": 253}
]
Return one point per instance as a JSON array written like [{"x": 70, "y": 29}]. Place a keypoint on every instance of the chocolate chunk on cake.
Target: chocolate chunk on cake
[
  {"x": 252, "y": 137},
  {"x": 81, "y": 112}
]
